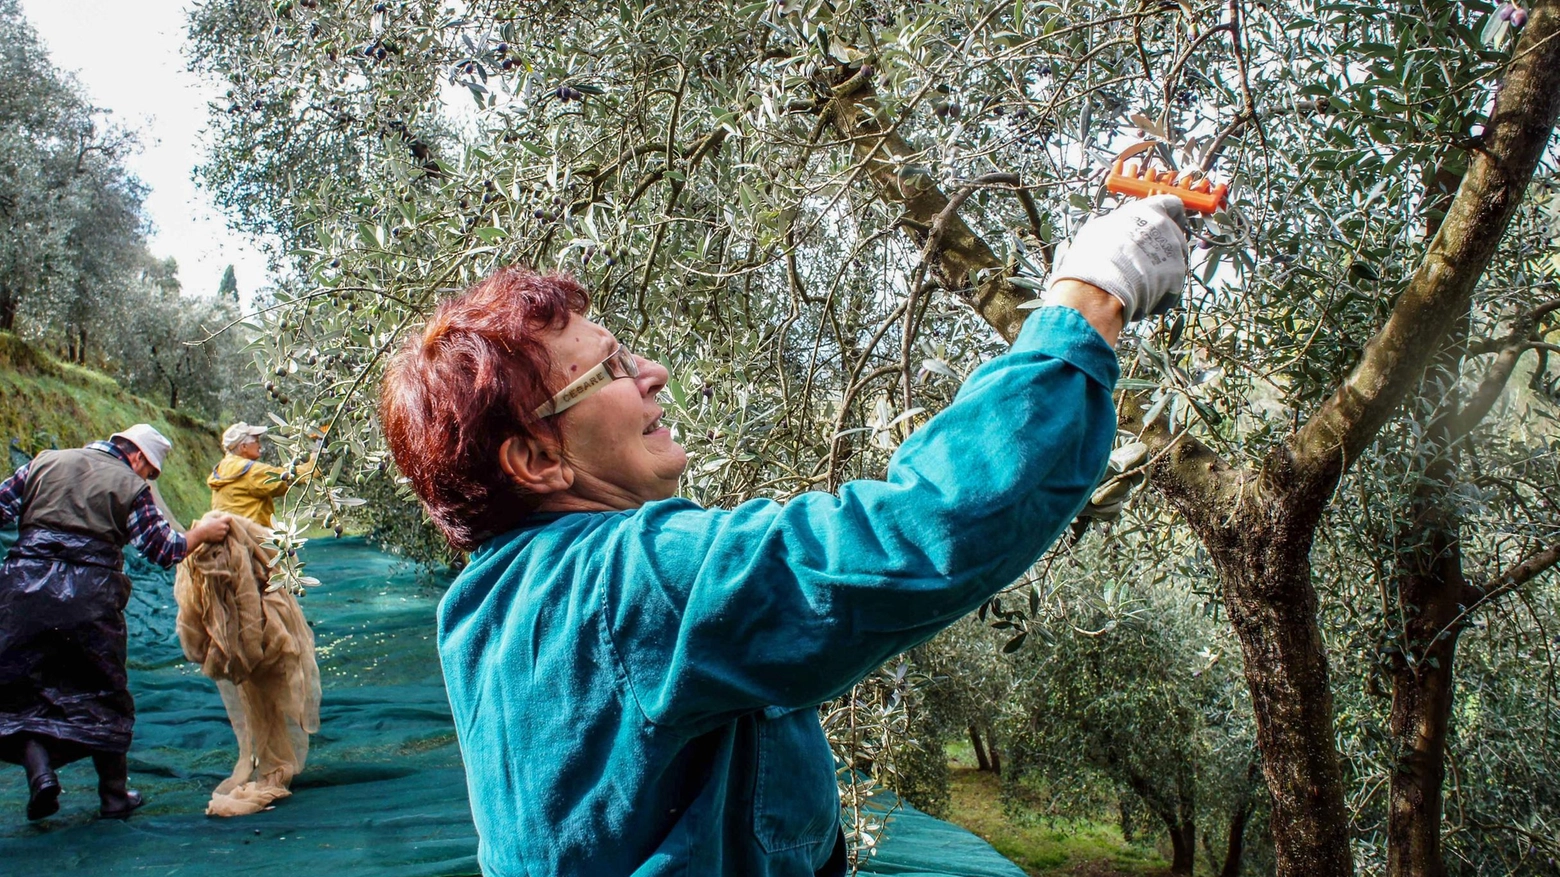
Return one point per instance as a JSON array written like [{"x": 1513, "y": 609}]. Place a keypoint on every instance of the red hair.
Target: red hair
[{"x": 453, "y": 395}]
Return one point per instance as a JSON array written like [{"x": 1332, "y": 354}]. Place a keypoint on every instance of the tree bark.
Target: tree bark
[
  {"x": 1430, "y": 592},
  {"x": 1265, "y": 572},
  {"x": 1235, "y": 845},
  {"x": 1421, "y": 714},
  {"x": 1183, "y": 842},
  {"x": 1433, "y": 597},
  {"x": 1240, "y": 815},
  {"x": 981, "y": 761}
]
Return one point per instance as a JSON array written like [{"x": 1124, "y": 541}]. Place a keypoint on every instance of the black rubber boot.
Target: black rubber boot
[
  {"x": 113, "y": 772},
  {"x": 43, "y": 786}
]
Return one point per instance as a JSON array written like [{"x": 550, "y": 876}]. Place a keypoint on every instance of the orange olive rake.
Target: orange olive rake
[{"x": 1196, "y": 191}]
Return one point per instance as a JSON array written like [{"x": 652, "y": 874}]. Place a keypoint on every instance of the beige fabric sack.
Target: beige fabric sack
[{"x": 258, "y": 648}]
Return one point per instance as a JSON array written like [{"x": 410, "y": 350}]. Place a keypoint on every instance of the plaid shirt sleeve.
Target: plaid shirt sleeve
[
  {"x": 11, "y": 495},
  {"x": 151, "y": 533}
]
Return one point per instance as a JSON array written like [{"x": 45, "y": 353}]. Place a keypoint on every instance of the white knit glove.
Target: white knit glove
[{"x": 1136, "y": 253}]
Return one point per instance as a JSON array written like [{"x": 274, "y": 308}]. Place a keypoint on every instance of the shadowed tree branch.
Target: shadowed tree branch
[
  {"x": 1197, "y": 478},
  {"x": 961, "y": 253},
  {"x": 1499, "y": 373}
]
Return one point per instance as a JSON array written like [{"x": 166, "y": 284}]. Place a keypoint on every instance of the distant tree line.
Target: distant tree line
[{"x": 75, "y": 272}]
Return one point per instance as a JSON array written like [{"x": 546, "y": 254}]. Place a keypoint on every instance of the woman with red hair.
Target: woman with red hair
[{"x": 634, "y": 679}]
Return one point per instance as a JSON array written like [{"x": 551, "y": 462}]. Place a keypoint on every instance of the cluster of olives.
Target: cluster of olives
[
  {"x": 276, "y": 393},
  {"x": 500, "y": 58},
  {"x": 549, "y": 210},
  {"x": 238, "y": 101},
  {"x": 568, "y": 94},
  {"x": 1513, "y": 13},
  {"x": 945, "y": 103},
  {"x": 489, "y": 195},
  {"x": 589, "y": 254},
  {"x": 334, "y": 523},
  {"x": 713, "y": 63},
  {"x": 505, "y": 62}
]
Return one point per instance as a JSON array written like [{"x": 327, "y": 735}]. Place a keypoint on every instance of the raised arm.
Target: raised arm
[{"x": 788, "y": 605}]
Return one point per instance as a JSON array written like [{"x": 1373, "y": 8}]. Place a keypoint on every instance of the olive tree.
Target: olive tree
[
  {"x": 1115, "y": 684},
  {"x": 70, "y": 213},
  {"x": 823, "y": 214}
]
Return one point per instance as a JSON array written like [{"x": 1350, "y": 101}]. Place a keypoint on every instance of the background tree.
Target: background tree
[
  {"x": 59, "y": 166},
  {"x": 812, "y": 207},
  {"x": 228, "y": 288},
  {"x": 189, "y": 352},
  {"x": 75, "y": 271},
  {"x": 102, "y": 251}
]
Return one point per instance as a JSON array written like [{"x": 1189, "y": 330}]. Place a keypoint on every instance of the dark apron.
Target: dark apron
[{"x": 62, "y": 645}]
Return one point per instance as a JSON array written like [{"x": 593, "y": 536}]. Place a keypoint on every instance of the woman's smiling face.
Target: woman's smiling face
[{"x": 621, "y": 455}]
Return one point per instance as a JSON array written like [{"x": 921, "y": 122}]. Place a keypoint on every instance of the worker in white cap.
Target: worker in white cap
[
  {"x": 63, "y": 690},
  {"x": 270, "y": 687},
  {"x": 241, "y": 484}
]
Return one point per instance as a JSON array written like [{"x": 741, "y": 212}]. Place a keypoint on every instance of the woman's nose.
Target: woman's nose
[{"x": 652, "y": 375}]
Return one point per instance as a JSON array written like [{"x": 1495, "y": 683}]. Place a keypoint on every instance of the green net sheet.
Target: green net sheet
[
  {"x": 918, "y": 845},
  {"x": 382, "y": 795}
]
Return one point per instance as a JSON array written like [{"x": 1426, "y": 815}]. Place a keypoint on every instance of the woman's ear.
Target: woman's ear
[{"x": 535, "y": 465}]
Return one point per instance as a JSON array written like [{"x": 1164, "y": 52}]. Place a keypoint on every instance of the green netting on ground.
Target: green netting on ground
[
  {"x": 382, "y": 795},
  {"x": 918, "y": 845}
]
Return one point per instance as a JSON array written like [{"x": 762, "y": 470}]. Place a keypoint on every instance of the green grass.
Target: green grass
[
  {"x": 69, "y": 406},
  {"x": 1042, "y": 846}
]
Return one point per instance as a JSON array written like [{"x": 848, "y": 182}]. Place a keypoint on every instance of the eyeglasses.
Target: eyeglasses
[{"x": 621, "y": 364}]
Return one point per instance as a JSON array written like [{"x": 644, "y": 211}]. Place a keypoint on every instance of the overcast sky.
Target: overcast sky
[{"x": 129, "y": 56}]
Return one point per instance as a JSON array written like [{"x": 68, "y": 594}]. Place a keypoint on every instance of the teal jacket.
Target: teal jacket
[{"x": 635, "y": 692}]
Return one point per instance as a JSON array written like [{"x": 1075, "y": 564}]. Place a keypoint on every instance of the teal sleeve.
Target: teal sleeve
[{"x": 717, "y": 612}]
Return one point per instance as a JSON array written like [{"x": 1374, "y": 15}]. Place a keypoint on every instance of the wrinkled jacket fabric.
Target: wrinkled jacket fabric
[
  {"x": 62, "y": 641},
  {"x": 240, "y": 486},
  {"x": 635, "y": 692}
]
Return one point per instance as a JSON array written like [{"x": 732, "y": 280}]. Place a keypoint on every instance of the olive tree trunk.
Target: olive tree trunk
[
  {"x": 1435, "y": 599},
  {"x": 1272, "y": 604},
  {"x": 1235, "y": 842},
  {"x": 1183, "y": 842}
]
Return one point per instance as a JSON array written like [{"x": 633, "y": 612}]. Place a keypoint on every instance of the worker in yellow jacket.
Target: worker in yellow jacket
[
  {"x": 270, "y": 684},
  {"x": 241, "y": 484}
]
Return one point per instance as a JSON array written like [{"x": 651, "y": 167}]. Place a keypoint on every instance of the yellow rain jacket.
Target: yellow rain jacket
[{"x": 249, "y": 487}]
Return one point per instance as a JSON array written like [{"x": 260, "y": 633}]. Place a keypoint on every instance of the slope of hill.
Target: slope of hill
[{"x": 46, "y": 403}]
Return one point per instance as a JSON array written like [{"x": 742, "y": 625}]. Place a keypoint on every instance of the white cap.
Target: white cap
[
  {"x": 239, "y": 432},
  {"x": 153, "y": 445}
]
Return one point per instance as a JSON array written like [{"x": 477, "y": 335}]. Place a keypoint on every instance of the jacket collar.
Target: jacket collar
[{"x": 112, "y": 450}]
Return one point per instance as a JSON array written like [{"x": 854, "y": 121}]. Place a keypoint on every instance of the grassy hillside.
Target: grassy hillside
[{"x": 46, "y": 401}]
